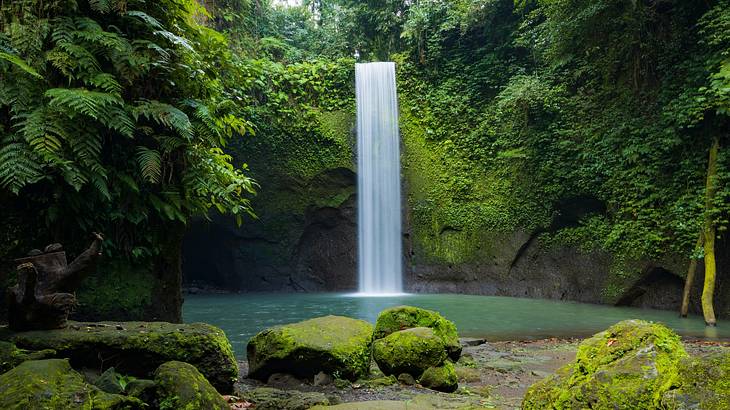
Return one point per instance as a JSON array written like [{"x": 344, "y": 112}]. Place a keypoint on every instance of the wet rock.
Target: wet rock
[
  {"x": 333, "y": 344},
  {"x": 266, "y": 398},
  {"x": 409, "y": 351},
  {"x": 143, "y": 389},
  {"x": 406, "y": 379},
  {"x": 404, "y": 317},
  {"x": 139, "y": 348},
  {"x": 322, "y": 379},
  {"x": 53, "y": 384},
  {"x": 442, "y": 378},
  {"x": 181, "y": 386},
  {"x": 704, "y": 383},
  {"x": 471, "y": 342},
  {"x": 284, "y": 380},
  {"x": 630, "y": 365}
]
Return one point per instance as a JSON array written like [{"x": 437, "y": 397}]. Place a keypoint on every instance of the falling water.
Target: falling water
[{"x": 379, "y": 198}]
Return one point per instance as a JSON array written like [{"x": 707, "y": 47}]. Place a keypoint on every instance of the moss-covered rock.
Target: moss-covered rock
[
  {"x": 266, "y": 398},
  {"x": 54, "y": 385},
  {"x": 442, "y": 378},
  {"x": 143, "y": 389},
  {"x": 180, "y": 386},
  {"x": 11, "y": 356},
  {"x": 409, "y": 351},
  {"x": 406, "y": 317},
  {"x": 138, "y": 348},
  {"x": 704, "y": 383},
  {"x": 335, "y": 345},
  {"x": 630, "y": 365}
]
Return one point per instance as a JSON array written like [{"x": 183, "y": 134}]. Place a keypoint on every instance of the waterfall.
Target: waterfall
[{"x": 379, "y": 197}]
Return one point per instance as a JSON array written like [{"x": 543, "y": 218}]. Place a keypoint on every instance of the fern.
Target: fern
[
  {"x": 165, "y": 115},
  {"x": 19, "y": 166},
  {"x": 20, "y": 63},
  {"x": 150, "y": 164},
  {"x": 81, "y": 101}
]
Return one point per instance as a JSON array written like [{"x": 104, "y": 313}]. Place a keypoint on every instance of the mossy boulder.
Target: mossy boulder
[
  {"x": 52, "y": 384},
  {"x": 11, "y": 356},
  {"x": 335, "y": 345},
  {"x": 442, "y": 378},
  {"x": 138, "y": 348},
  {"x": 630, "y": 365},
  {"x": 181, "y": 386},
  {"x": 704, "y": 383},
  {"x": 409, "y": 351},
  {"x": 405, "y": 317},
  {"x": 266, "y": 398}
]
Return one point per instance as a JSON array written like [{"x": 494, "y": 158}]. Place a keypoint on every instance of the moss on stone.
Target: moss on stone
[
  {"x": 333, "y": 344},
  {"x": 409, "y": 351},
  {"x": 182, "y": 384},
  {"x": 266, "y": 398},
  {"x": 704, "y": 383},
  {"x": 54, "y": 385},
  {"x": 441, "y": 378},
  {"x": 138, "y": 348},
  {"x": 405, "y": 317},
  {"x": 11, "y": 356},
  {"x": 630, "y": 365}
]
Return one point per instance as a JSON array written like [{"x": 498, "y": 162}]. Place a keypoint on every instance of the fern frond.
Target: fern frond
[
  {"x": 107, "y": 6},
  {"x": 106, "y": 82},
  {"x": 150, "y": 164},
  {"x": 20, "y": 63},
  {"x": 145, "y": 18},
  {"x": 175, "y": 39},
  {"x": 18, "y": 166},
  {"x": 81, "y": 101},
  {"x": 166, "y": 115}
]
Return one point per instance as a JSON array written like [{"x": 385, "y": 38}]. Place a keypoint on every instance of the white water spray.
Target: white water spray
[{"x": 379, "y": 196}]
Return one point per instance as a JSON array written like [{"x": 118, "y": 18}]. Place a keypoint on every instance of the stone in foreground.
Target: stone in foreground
[
  {"x": 406, "y": 317},
  {"x": 137, "y": 348},
  {"x": 266, "y": 398},
  {"x": 409, "y": 351},
  {"x": 442, "y": 378},
  {"x": 11, "y": 356},
  {"x": 53, "y": 384},
  {"x": 333, "y": 344},
  {"x": 704, "y": 383},
  {"x": 630, "y": 365},
  {"x": 180, "y": 386}
]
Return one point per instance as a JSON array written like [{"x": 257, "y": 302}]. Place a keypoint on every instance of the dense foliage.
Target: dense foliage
[{"x": 113, "y": 117}]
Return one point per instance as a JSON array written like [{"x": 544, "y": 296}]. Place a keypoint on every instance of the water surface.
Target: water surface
[{"x": 494, "y": 318}]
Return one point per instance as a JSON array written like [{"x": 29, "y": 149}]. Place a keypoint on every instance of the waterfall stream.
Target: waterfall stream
[{"x": 379, "y": 189}]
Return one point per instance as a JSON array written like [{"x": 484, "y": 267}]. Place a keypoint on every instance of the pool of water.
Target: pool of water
[{"x": 494, "y": 318}]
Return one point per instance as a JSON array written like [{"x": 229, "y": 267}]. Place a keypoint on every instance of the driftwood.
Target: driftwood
[{"x": 45, "y": 293}]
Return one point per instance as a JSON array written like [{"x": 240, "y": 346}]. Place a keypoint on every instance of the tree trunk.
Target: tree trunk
[
  {"x": 709, "y": 233},
  {"x": 690, "y": 279},
  {"x": 167, "y": 270}
]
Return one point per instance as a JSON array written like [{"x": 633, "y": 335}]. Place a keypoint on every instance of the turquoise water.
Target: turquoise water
[{"x": 494, "y": 318}]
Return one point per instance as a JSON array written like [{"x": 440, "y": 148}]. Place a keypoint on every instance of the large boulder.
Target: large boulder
[
  {"x": 704, "y": 383},
  {"x": 630, "y": 365},
  {"x": 54, "y": 385},
  {"x": 180, "y": 386},
  {"x": 137, "y": 348},
  {"x": 441, "y": 378},
  {"x": 405, "y": 317},
  {"x": 409, "y": 351},
  {"x": 334, "y": 345}
]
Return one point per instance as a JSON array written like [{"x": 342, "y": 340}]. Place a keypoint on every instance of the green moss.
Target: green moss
[
  {"x": 630, "y": 365},
  {"x": 442, "y": 378},
  {"x": 404, "y": 317},
  {"x": 53, "y": 384},
  {"x": 182, "y": 384},
  {"x": 409, "y": 351},
  {"x": 11, "y": 356},
  {"x": 457, "y": 206},
  {"x": 138, "y": 348},
  {"x": 704, "y": 383},
  {"x": 333, "y": 344}
]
